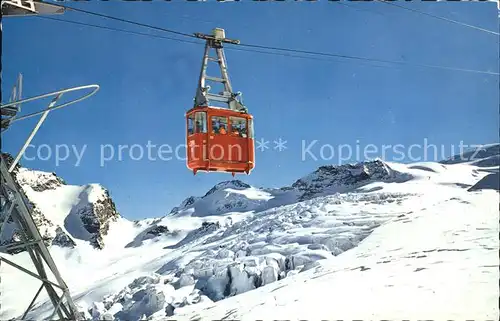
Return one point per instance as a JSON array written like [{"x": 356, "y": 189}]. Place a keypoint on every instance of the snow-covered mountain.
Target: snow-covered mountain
[
  {"x": 64, "y": 213},
  {"x": 332, "y": 244},
  {"x": 487, "y": 158},
  {"x": 237, "y": 196},
  {"x": 481, "y": 156}
]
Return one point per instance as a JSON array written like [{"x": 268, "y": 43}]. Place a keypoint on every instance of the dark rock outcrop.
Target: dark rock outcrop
[
  {"x": 490, "y": 181},
  {"x": 152, "y": 232},
  {"x": 96, "y": 218},
  {"x": 157, "y": 230},
  {"x": 62, "y": 239},
  {"x": 205, "y": 229}
]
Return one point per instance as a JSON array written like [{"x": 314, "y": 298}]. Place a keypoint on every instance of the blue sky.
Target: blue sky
[{"x": 148, "y": 83}]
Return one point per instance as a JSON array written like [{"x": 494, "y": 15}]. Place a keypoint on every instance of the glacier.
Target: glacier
[{"x": 372, "y": 240}]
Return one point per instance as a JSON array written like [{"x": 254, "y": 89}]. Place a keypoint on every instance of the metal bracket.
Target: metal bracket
[
  {"x": 11, "y": 112},
  {"x": 203, "y": 97},
  {"x": 20, "y": 8}
]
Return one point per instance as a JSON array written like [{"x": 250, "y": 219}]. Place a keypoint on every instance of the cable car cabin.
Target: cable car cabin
[{"x": 219, "y": 139}]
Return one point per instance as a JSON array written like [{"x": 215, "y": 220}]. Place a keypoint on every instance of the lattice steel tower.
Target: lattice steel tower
[{"x": 15, "y": 208}]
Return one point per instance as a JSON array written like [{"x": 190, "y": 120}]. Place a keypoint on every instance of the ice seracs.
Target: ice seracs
[{"x": 375, "y": 232}]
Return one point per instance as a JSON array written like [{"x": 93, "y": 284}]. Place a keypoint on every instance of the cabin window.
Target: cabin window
[
  {"x": 239, "y": 126},
  {"x": 250, "y": 128},
  {"x": 190, "y": 124},
  {"x": 200, "y": 122},
  {"x": 219, "y": 125}
]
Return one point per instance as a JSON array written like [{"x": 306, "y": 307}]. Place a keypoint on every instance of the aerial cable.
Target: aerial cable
[
  {"x": 121, "y": 30},
  {"x": 369, "y": 59},
  {"x": 356, "y": 8},
  {"x": 130, "y": 22},
  {"x": 358, "y": 58},
  {"x": 192, "y": 36},
  {"x": 200, "y": 43},
  {"x": 438, "y": 17}
]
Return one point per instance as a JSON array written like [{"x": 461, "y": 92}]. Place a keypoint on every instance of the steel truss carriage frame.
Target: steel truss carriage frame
[{"x": 16, "y": 208}]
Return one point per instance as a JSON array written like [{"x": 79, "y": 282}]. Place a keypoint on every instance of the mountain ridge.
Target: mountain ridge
[{"x": 98, "y": 214}]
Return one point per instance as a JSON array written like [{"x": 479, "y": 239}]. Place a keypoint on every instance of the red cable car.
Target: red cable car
[{"x": 218, "y": 139}]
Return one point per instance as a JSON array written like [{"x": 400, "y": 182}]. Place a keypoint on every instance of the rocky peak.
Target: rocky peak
[
  {"x": 39, "y": 181},
  {"x": 11, "y": 234},
  {"x": 348, "y": 175},
  {"x": 190, "y": 201},
  {"x": 185, "y": 204},
  {"x": 236, "y": 184},
  {"x": 97, "y": 213},
  {"x": 482, "y": 156},
  {"x": 95, "y": 209}
]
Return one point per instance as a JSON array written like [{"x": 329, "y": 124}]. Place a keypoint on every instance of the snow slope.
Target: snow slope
[
  {"x": 440, "y": 262},
  {"x": 331, "y": 245}
]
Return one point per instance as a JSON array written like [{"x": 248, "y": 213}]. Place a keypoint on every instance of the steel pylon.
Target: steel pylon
[{"x": 15, "y": 208}]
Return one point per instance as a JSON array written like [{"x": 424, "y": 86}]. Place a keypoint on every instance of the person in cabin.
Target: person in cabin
[
  {"x": 197, "y": 128},
  {"x": 215, "y": 126},
  {"x": 222, "y": 130},
  {"x": 233, "y": 129},
  {"x": 243, "y": 132}
]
